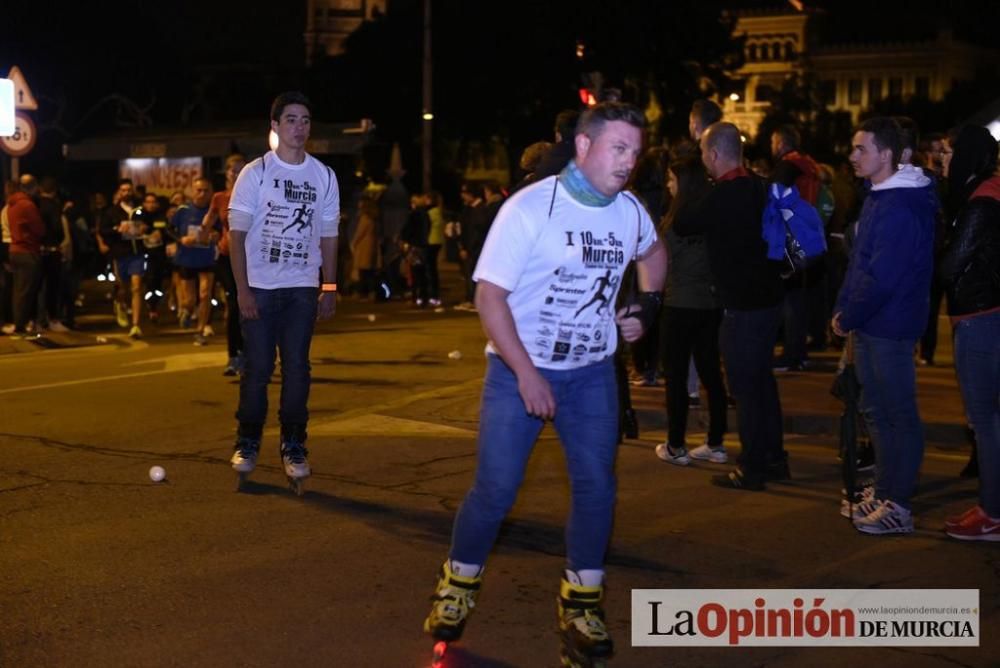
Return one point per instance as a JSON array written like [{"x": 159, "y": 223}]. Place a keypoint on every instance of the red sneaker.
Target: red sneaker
[
  {"x": 976, "y": 525},
  {"x": 957, "y": 520}
]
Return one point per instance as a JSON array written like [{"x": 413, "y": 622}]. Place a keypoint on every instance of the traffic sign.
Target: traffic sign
[
  {"x": 23, "y": 99},
  {"x": 23, "y": 139}
]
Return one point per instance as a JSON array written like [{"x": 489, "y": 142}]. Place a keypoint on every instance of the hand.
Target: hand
[
  {"x": 537, "y": 395},
  {"x": 835, "y": 325},
  {"x": 629, "y": 324},
  {"x": 248, "y": 304},
  {"x": 327, "y": 305}
]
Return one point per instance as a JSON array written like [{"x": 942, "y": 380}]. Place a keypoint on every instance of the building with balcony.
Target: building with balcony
[{"x": 851, "y": 77}]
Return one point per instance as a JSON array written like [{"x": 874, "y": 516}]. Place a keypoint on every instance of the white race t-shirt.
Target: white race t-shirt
[
  {"x": 563, "y": 270},
  {"x": 292, "y": 206}
]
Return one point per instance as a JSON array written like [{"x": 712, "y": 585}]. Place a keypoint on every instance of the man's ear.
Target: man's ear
[{"x": 582, "y": 142}]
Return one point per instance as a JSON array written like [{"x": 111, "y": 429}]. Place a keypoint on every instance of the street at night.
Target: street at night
[{"x": 101, "y": 566}]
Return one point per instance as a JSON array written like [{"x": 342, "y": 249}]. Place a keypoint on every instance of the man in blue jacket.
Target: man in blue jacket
[{"x": 884, "y": 302}]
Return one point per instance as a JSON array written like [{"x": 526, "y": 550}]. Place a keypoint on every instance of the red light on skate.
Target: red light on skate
[{"x": 440, "y": 647}]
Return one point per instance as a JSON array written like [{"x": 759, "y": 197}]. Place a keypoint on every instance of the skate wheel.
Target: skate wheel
[{"x": 241, "y": 478}]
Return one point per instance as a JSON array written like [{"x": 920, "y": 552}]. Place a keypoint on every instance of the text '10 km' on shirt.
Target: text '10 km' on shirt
[
  {"x": 563, "y": 270},
  {"x": 292, "y": 207}
]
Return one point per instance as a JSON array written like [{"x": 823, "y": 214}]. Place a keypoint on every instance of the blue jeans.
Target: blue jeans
[
  {"x": 977, "y": 361},
  {"x": 587, "y": 423},
  {"x": 747, "y": 341},
  {"x": 889, "y": 406},
  {"x": 285, "y": 323}
]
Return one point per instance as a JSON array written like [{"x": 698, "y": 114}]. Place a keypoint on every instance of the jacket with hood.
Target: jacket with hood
[
  {"x": 886, "y": 291},
  {"x": 26, "y": 225},
  {"x": 970, "y": 266}
]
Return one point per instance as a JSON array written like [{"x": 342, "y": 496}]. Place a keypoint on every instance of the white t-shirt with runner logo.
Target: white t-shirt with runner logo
[
  {"x": 563, "y": 270},
  {"x": 292, "y": 206}
]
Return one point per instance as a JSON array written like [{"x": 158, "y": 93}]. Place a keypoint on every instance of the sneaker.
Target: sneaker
[
  {"x": 244, "y": 459},
  {"x": 234, "y": 367},
  {"x": 121, "y": 316},
  {"x": 200, "y": 340},
  {"x": 974, "y": 524},
  {"x": 866, "y": 508},
  {"x": 866, "y": 498},
  {"x": 418, "y": 303},
  {"x": 887, "y": 518},
  {"x": 739, "y": 479},
  {"x": 207, "y": 331},
  {"x": 434, "y": 302},
  {"x": 293, "y": 456},
  {"x": 710, "y": 453},
  {"x": 135, "y": 332},
  {"x": 57, "y": 326},
  {"x": 678, "y": 456}
]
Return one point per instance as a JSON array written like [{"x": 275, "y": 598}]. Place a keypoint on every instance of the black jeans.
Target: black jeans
[
  {"x": 747, "y": 339},
  {"x": 234, "y": 335},
  {"x": 51, "y": 278},
  {"x": 687, "y": 332},
  {"x": 433, "y": 277}
]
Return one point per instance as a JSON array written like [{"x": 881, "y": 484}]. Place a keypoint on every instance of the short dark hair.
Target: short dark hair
[
  {"x": 707, "y": 112},
  {"x": 886, "y": 134},
  {"x": 474, "y": 188},
  {"x": 592, "y": 121},
  {"x": 125, "y": 181},
  {"x": 910, "y": 133},
  {"x": 726, "y": 139},
  {"x": 566, "y": 123},
  {"x": 790, "y": 136},
  {"x": 287, "y": 98}
]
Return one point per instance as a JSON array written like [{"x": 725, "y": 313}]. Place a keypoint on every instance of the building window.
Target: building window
[
  {"x": 854, "y": 91},
  {"x": 895, "y": 87},
  {"x": 874, "y": 90},
  {"x": 752, "y": 53},
  {"x": 828, "y": 92},
  {"x": 922, "y": 87},
  {"x": 789, "y": 51}
]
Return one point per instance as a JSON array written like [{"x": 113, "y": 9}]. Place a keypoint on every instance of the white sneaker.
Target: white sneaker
[
  {"x": 207, "y": 331},
  {"x": 294, "y": 457},
  {"x": 866, "y": 498},
  {"x": 244, "y": 459},
  {"x": 678, "y": 457},
  {"x": 887, "y": 518},
  {"x": 57, "y": 326},
  {"x": 135, "y": 332},
  {"x": 705, "y": 452}
]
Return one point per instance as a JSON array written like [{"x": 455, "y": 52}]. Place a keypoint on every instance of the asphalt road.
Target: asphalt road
[{"x": 99, "y": 566}]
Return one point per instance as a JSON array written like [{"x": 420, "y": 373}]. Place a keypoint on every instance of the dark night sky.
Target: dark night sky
[{"x": 492, "y": 58}]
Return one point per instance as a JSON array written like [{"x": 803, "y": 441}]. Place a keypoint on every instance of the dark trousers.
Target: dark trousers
[
  {"x": 433, "y": 278},
  {"x": 747, "y": 340},
  {"x": 687, "y": 332},
  {"x": 234, "y": 335},
  {"x": 157, "y": 270},
  {"x": 928, "y": 342},
  {"x": 52, "y": 271},
  {"x": 6, "y": 286},
  {"x": 27, "y": 270},
  {"x": 795, "y": 320}
]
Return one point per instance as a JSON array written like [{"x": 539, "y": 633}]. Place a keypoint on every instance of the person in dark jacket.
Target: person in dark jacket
[
  {"x": 413, "y": 239},
  {"x": 691, "y": 318},
  {"x": 749, "y": 287},
  {"x": 969, "y": 272},
  {"x": 884, "y": 303}
]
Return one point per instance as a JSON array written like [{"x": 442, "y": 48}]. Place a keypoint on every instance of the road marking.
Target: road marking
[
  {"x": 172, "y": 364},
  {"x": 385, "y": 425}
]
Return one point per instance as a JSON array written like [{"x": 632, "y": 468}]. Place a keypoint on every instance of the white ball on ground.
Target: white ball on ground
[{"x": 157, "y": 474}]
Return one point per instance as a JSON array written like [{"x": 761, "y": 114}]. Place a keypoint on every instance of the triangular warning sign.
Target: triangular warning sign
[{"x": 23, "y": 99}]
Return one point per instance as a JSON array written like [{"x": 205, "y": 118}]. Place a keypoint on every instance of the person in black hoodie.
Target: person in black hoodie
[
  {"x": 749, "y": 287},
  {"x": 969, "y": 272}
]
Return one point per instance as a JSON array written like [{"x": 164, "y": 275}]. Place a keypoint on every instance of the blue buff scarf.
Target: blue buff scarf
[{"x": 580, "y": 189}]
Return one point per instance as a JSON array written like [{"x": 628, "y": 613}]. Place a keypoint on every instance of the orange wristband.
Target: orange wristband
[{"x": 328, "y": 287}]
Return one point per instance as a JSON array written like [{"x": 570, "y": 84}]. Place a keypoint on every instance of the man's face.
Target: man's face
[
  {"x": 708, "y": 156},
  {"x": 150, "y": 204},
  {"x": 694, "y": 127},
  {"x": 607, "y": 159},
  {"x": 866, "y": 159},
  {"x": 946, "y": 154},
  {"x": 124, "y": 193},
  {"x": 777, "y": 145},
  {"x": 293, "y": 126},
  {"x": 202, "y": 193}
]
